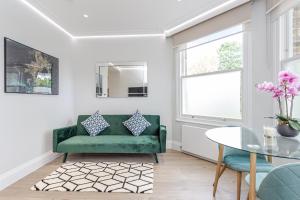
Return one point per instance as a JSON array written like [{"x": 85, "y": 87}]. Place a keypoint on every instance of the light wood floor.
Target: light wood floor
[{"x": 177, "y": 177}]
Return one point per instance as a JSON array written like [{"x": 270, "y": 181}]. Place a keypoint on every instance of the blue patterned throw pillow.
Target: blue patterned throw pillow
[
  {"x": 136, "y": 124},
  {"x": 95, "y": 124}
]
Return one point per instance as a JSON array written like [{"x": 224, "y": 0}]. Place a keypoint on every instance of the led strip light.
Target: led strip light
[{"x": 167, "y": 33}]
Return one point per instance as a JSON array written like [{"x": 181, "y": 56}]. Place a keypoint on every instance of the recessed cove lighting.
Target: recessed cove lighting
[
  {"x": 119, "y": 36},
  {"x": 167, "y": 33},
  {"x": 46, "y": 17}
]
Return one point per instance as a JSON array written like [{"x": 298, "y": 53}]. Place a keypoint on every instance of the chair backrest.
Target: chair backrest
[
  {"x": 117, "y": 127},
  {"x": 282, "y": 183},
  {"x": 229, "y": 151}
]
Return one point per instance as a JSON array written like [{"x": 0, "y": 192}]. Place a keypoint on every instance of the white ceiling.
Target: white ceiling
[{"x": 117, "y": 17}]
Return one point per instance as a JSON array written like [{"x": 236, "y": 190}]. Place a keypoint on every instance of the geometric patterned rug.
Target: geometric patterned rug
[{"x": 99, "y": 177}]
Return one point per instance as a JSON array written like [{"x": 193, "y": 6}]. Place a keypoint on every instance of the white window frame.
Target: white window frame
[
  {"x": 279, "y": 47},
  {"x": 283, "y": 48},
  {"x": 246, "y": 87}
]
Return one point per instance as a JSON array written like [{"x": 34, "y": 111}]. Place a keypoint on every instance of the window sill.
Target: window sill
[{"x": 210, "y": 122}]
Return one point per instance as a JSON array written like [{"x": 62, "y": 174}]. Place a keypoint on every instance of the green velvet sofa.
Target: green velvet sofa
[{"x": 114, "y": 139}]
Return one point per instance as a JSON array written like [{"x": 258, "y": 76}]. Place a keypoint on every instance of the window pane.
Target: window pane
[
  {"x": 296, "y": 30},
  {"x": 290, "y": 33},
  {"x": 214, "y": 95},
  {"x": 294, "y": 67},
  {"x": 222, "y": 54}
]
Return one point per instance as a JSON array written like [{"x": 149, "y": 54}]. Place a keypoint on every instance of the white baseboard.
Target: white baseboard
[
  {"x": 174, "y": 145},
  {"x": 23, "y": 170},
  {"x": 169, "y": 144}
]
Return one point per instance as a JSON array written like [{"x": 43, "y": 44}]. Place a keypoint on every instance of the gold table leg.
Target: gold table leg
[
  {"x": 218, "y": 168},
  {"x": 238, "y": 184},
  {"x": 252, "y": 191},
  {"x": 269, "y": 159}
]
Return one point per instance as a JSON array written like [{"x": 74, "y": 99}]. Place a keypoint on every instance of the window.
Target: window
[
  {"x": 210, "y": 78},
  {"x": 290, "y": 33},
  {"x": 290, "y": 46}
]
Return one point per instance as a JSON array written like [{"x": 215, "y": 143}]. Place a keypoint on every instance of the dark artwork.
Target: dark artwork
[{"x": 28, "y": 70}]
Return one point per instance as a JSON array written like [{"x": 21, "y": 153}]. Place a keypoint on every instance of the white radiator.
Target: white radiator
[{"x": 194, "y": 141}]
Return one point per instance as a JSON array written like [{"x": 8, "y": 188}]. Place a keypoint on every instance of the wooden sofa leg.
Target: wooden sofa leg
[
  {"x": 65, "y": 157},
  {"x": 155, "y": 157}
]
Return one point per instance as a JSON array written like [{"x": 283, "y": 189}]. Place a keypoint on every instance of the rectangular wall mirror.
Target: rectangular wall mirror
[{"x": 119, "y": 80}]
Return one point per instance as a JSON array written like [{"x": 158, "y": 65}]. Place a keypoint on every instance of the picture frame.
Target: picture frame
[{"x": 28, "y": 70}]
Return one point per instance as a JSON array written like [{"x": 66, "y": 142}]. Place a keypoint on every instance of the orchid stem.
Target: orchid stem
[
  {"x": 280, "y": 106},
  {"x": 286, "y": 102},
  {"x": 291, "y": 109}
]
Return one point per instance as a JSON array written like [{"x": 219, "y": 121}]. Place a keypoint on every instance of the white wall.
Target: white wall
[
  {"x": 158, "y": 54},
  {"x": 261, "y": 103},
  {"x": 27, "y": 121}
]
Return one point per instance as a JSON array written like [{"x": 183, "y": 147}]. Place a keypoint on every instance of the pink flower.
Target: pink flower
[
  {"x": 292, "y": 91},
  {"x": 285, "y": 77},
  {"x": 277, "y": 93},
  {"x": 266, "y": 86},
  {"x": 297, "y": 85}
]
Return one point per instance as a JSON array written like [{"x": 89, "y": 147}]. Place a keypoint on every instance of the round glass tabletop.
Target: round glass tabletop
[{"x": 246, "y": 140}]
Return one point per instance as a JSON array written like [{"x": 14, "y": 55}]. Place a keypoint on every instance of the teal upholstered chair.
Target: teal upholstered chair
[
  {"x": 239, "y": 161},
  {"x": 281, "y": 183}
]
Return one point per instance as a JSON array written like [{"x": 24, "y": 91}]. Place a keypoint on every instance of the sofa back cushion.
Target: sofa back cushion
[{"x": 116, "y": 126}]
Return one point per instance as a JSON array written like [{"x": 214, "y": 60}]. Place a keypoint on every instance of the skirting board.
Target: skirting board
[
  {"x": 200, "y": 157},
  {"x": 174, "y": 145},
  {"x": 23, "y": 170}
]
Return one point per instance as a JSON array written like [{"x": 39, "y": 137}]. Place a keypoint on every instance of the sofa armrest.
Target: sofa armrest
[
  {"x": 162, "y": 138},
  {"x": 62, "y": 134}
]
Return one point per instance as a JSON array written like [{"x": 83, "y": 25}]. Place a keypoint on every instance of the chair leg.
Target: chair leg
[
  {"x": 223, "y": 168},
  {"x": 155, "y": 157},
  {"x": 218, "y": 168},
  {"x": 238, "y": 186},
  {"x": 65, "y": 157},
  {"x": 222, "y": 171}
]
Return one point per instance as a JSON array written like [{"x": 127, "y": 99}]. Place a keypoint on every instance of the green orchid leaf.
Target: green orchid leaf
[
  {"x": 294, "y": 124},
  {"x": 295, "y": 120},
  {"x": 282, "y": 118}
]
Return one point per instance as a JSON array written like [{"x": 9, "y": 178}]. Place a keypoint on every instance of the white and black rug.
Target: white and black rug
[{"x": 99, "y": 177}]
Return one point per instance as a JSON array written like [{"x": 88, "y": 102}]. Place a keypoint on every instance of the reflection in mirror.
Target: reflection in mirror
[{"x": 121, "y": 79}]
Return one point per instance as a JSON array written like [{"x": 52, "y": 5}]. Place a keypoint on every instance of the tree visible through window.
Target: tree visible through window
[
  {"x": 211, "y": 69},
  {"x": 218, "y": 55},
  {"x": 230, "y": 56}
]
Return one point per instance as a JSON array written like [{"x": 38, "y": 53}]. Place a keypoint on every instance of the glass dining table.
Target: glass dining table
[{"x": 256, "y": 143}]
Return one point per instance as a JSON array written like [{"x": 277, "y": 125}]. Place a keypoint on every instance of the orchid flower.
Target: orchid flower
[
  {"x": 286, "y": 77},
  {"x": 288, "y": 88}
]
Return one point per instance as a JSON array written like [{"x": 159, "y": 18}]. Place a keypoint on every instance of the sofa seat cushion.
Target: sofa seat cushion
[{"x": 110, "y": 144}]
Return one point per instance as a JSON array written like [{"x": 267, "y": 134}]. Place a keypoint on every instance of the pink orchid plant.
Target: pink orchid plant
[{"x": 285, "y": 93}]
